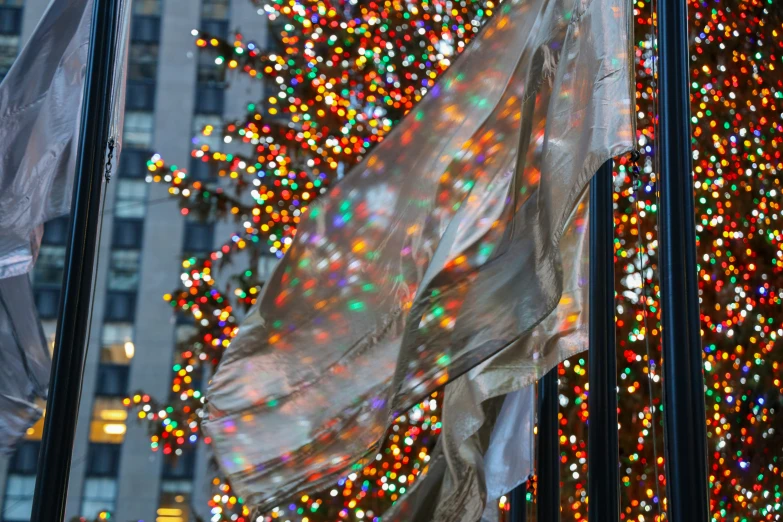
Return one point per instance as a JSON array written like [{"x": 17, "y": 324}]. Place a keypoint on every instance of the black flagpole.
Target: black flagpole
[
  {"x": 683, "y": 380},
  {"x": 548, "y": 449},
  {"x": 54, "y": 461},
  {"x": 603, "y": 481},
  {"x": 518, "y": 503}
]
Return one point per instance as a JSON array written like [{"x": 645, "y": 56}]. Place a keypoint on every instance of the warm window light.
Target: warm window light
[
  {"x": 169, "y": 512},
  {"x": 169, "y": 519},
  {"x": 114, "y": 415},
  {"x": 130, "y": 350},
  {"x": 35, "y": 431},
  {"x": 114, "y": 429}
]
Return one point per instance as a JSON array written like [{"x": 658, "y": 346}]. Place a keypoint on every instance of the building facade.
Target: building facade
[{"x": 173, "y": 90}]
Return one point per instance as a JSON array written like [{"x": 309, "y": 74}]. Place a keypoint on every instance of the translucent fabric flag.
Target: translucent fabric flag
[
  {"x": 24, "y": 358},
  {"x": 40, "y": 102},
  {"x": 40, "y": 110},
  {"x": 486, "y": 445},
  {"x": 437, "y": 252}
]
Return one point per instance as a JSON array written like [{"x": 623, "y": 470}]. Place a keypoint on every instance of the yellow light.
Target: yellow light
[
  {"x": 114, "y": 429},
  {"x": 130, "y": 350},
  {"x": 114, "y": 415},
  {"x": 169, "y": 512}
]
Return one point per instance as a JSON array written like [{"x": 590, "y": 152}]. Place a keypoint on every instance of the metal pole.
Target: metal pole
[
  {"x": 603, "y": 481},
  {"x": 518, "y": 501},
  {"x": 548, "y": 450},
  {"x": 683, "y": 379},
  {"x": 54, "y": 461}
]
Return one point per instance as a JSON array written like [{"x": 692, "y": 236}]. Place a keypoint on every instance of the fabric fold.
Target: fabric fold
[
  {"x": 439, "y": 251},
  {"x": 40, "y": 108},
  {"x": 486, "y": 448},
  {"x": 24, "y": 373},
  {"x": 40, "y": 116},
  {"x": 40, "y": 112}
]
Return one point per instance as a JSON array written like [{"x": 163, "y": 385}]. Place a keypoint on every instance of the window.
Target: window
[
  {"x": 138, "y": 128},
  {"x": 209, "y": 99},
  {"x": 142, "y": 60},
  {"x": 206, "y": 69},
  {"x": 20, "y": 483},
  {"x": 202, "y": 170},
  {"x": 175, "y": 500},
  {"x": 120, "y": 306},
  {"x": 127, "y": 233},
  {"x": 46, "y": 301},
  {"x": 10, "y": 19},
  {"x": 133, "y": 163},
  {"x": 274, "y": 32},
  {"x": 112, "y": 380},
  {"x": 182, "y": 466},
  {"x": 197, "y": 378},
  {"x": 146, "y": 7},
  {"x": 18, "y": 503},
  {"x": 103, "y": 460},
  {"x": 50, "y": 265},
  {"x": 50, "y": 330},
  {"x": 214, "y": 10},
  {"x": 9, "y": 46},
  {"x": 198, "y": 237},
  {"x": 124, "y": 269},
  {"x": 131, "y": 200},
  {"x": 25, "y": 459},
  {"x": 186, "y": 332},
  {"x": 56, "y": 231},
  {"x": 108, "y": 420},
  {"x": 35, "y": 432},
  {"x": 117, "y": 343},
  {"x": 183, "y": 318},
  {"x": 200, "y": 121},
  {"x": 140, "y": 95},
  {"x": 99, "y": 495},
  {"x": 266, "y": 265},
  {"x": 145, "y": 29},
  {"x": 218, "y": 28}
]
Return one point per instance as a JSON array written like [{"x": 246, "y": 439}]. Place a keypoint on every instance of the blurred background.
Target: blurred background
[
  {"x": 220, "y": 158},
  {"x": 173, "y": 91}
]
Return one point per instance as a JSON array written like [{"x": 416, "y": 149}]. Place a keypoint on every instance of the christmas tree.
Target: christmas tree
[{"x": 338, "y": 79}]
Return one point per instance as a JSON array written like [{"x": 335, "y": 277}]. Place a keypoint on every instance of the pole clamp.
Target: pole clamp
[{"x": 109, "y": 157}]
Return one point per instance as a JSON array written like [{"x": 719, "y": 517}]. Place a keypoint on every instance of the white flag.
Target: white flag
[
  {"x": 40, "y": 106},
  {"x": 486, "y": 447},
  {"x": 24, "y": 361},
  {"x": 40, "y": 109},
  {"x": 381, "y": 300}
]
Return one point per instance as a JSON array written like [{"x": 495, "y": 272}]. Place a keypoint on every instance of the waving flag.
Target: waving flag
[
  {"x": 441, "y": 250},
  {"x": 40, "y": 109},
  {"x": 486, "y": 445}
]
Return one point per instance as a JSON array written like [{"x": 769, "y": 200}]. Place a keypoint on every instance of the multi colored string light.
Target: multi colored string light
[{"x": 344, "y": 73}]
